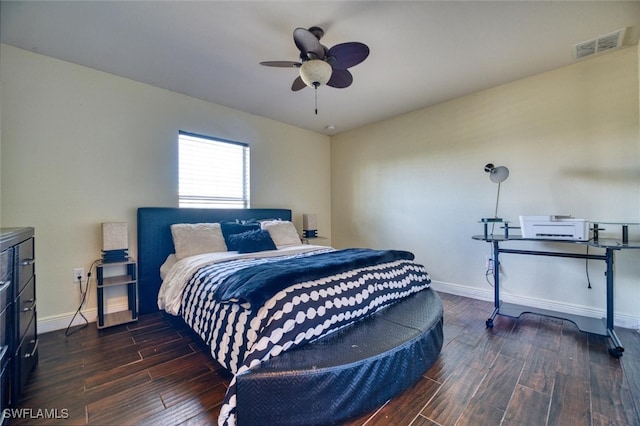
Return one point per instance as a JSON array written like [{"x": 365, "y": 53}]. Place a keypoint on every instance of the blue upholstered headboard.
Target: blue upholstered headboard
[{"x": 155, "y": 242}]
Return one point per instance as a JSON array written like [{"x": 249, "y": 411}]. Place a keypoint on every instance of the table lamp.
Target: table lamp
[
  {"x": 310, "y": 225},
  {"x": 115, "y": 242},
  {"x": 497, "y": 175}
]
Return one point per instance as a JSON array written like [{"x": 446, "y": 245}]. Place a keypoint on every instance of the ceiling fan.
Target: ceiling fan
[{"x": 319, "y": 65}]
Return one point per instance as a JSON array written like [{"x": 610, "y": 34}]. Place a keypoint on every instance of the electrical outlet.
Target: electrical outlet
[{"x": 78, "y": 272}]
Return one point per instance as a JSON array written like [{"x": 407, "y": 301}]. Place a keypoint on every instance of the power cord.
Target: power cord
[
  {"x": 586, "y": 268},
  {"x": 83, "y": 300},
  {"x": 67, "y": 332},
  {"x": 489, "y": 272}
]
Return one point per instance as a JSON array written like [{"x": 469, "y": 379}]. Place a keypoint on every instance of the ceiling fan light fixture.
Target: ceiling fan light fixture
[{"x": 315, "y": 72}]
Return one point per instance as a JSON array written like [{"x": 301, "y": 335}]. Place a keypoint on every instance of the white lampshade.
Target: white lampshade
[
  {"x": 309, "y": 222},
  {"x": 115, "y": 236},
  {"x": 315, "y": 72},
  {"x": 497, "y": 174}
]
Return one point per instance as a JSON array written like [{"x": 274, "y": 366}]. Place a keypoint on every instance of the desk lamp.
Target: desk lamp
[{"x": 497, "y": 175}]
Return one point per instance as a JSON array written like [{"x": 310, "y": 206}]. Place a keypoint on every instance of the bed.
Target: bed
[{"x": 311, "y": 334}]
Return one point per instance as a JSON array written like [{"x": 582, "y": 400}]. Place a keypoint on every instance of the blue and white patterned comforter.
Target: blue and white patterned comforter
[{"x": 241, "y": 335}]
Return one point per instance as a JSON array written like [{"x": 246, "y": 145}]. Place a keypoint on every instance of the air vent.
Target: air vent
[{"x": 598, "y": 45}]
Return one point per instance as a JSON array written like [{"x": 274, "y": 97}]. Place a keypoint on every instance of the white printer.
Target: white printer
[{"x": 555, "y": 227}]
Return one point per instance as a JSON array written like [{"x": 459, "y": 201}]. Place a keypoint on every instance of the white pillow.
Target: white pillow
[
  {"x": 282, "y": 232},
  {"x": 190, "y": 239}
]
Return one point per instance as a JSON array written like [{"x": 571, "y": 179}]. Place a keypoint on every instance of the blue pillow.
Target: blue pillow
[
  {"x": 232, "y": 228},
  {"x": 252, "y": 241}
]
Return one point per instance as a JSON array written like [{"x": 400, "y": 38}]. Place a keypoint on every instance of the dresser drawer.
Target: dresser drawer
[
  {"x": 4, "y": 334},
  {"x": 5, "y": 297},
  {"x": 5, "y": 264},
  {"x": 26, "y": 307},
  {"x": 4, "y": 319},
  {"x": 5, "y": 356},
  {"x": 4, "y": 391},
  {"x": 25, "y": 262},
  {"x": 5, "y": 278},
  {"x": 26, "y": 357}
]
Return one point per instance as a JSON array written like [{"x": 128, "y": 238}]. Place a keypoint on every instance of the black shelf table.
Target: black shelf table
[
  {"x": 603, "y": 327},
  {"x": 128, "y": 280}
]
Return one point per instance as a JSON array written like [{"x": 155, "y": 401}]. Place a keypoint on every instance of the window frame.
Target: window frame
[{"x": 203, "y": 200}]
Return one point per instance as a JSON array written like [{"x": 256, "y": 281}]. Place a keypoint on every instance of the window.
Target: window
[{"x": 213, "y": 173}]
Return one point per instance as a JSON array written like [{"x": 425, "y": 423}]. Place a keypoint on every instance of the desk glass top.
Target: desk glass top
[
  {"x": 601, "y": 243},
  {"x": 605, "y": 222}
]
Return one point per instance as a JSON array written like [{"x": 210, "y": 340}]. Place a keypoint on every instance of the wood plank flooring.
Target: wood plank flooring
[{"x": 531, "y": 371}]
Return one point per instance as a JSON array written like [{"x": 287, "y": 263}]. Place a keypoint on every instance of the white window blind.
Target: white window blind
[{"x": 213, "y": 173}]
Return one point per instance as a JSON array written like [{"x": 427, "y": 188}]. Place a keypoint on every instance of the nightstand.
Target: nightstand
[{"x": 117, "y": 274}]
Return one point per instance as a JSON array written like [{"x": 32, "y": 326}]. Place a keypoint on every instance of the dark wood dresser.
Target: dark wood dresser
[{"x": 18, "y": 326}]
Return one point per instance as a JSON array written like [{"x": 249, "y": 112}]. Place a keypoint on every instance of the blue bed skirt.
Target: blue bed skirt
[{"x": 347, "y": 373}]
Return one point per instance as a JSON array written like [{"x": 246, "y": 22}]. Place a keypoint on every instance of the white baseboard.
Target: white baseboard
[
  {"x": 60, "y": 322},
  {"x": 624, "y": 321}
]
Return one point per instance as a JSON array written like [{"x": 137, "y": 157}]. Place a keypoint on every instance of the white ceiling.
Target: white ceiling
[{"x": 422, "y": 52}]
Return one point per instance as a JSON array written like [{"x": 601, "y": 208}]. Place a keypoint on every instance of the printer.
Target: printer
[{"x": 554, "y": 227}]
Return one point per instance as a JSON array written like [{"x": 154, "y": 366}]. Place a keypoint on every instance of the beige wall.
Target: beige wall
[
  {"x": 570, "y": 138},
  {"x": 80, "y": 147}
]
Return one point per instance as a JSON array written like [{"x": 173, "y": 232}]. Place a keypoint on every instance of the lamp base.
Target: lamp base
[
  {"x": 113, "y": 256},
  {"x": 310, "y": 233}
]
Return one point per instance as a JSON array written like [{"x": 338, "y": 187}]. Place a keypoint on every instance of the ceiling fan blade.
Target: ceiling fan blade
[
  {"x": 348, "y": 55},
  {"x": 308, "y": 43},
  {"x": 281, "y": 64},
  {"x": 340, "y": 79},
  {"x": 298, "y": 84}
]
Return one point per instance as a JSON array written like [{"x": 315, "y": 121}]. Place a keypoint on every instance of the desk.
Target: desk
[{"x": 592, "y": 325}]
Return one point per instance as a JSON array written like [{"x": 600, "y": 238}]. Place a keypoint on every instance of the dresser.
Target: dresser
[{"x": 18, "y": 322}]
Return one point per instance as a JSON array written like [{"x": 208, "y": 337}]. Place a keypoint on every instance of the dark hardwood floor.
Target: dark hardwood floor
[{"x": 532, "y": 371}]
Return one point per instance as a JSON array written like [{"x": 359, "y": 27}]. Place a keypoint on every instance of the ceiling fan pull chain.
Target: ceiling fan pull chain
[{"x": 316, "y": 96}]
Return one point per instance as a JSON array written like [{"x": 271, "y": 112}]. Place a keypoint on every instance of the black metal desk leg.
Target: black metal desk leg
[
  {"x": 496, "y": 284},
  {"x": 100, "y": 307},
  {"x": 617, "y": 349}
]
